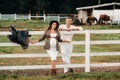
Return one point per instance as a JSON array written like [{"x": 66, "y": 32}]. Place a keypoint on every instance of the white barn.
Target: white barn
[{"x": 111, "y": 9}]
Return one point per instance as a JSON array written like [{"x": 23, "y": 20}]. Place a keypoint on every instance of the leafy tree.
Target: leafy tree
[
  {"x": 9, "y": 6},
  {"x": 46, "y": 6}
]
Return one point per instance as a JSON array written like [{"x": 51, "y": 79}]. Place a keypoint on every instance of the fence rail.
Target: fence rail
[
  {"x": 43, "y": 17},
  {"x": 87, "y": 52}
]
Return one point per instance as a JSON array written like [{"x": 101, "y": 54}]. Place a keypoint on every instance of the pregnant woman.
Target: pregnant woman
[{"x": 51, "y": 46}]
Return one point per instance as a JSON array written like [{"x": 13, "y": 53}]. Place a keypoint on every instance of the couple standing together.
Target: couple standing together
[{"x": 53, "y": 36}]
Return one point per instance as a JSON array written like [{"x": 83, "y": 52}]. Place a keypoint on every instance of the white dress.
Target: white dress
[{"x": 53, "y": 49}]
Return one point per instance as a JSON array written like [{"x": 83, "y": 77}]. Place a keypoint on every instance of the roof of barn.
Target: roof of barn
[{"x": 99, "y": 6}]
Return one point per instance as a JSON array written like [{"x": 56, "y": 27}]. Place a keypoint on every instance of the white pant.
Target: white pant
[{"x": 66, "y": 51}]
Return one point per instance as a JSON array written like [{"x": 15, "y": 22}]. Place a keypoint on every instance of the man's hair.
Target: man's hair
[{"x": 68, "y": 17}]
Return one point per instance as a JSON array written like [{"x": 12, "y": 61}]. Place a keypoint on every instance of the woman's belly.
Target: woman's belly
[{"x": 53, "y": 43}]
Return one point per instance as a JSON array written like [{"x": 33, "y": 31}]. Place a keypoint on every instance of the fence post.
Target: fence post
[
  {"x": 44, "y": 17},
  {"x": 58, "y": 18},
  {"x": 29, "y": 16},
  {"x": 15, "y": 16},
  {"x": 0, "y": 16},
  {"x": 87, "y": 51},
  {"x": 118, "y": 20}
]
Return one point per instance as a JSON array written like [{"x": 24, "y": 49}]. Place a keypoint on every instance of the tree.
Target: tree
[
  {"x": 47, "y": 6},
  {"x": 9, "y": 6}
]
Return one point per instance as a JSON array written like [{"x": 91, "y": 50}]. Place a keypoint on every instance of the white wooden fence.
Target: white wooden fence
[
  {"x": 43, "y": 17},
  {"x": 87, "y": 53}
]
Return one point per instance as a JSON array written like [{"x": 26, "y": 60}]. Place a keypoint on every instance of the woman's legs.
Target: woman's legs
[
  {"x": 53, "y": 72},
  {"x": 53, "y": 64},
  {"x": 53, "y": 55}
]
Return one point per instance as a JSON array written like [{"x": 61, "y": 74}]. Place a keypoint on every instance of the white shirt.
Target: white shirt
[{"x": 68, "y": 36}]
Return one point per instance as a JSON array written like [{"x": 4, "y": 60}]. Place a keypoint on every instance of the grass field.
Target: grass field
[
  {"x": 75, "y": 76},
  {"x": 40, "y": 25}
]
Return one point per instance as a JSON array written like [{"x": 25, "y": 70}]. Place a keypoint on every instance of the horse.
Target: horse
[
  {"x": 103, "y": 19},
  {"x": 77, "y": 22},
  {"x": 91, "y": 20}
]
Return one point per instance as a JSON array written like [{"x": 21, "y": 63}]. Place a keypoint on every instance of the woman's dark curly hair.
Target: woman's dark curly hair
[{"x": 51, "y": 22}]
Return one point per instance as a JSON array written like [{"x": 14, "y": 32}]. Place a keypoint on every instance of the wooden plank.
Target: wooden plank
[
  {"x": 104, "y": 31},
  {"x": 58, "y": 66},
  {"x": 71, "y": 32},
  {"x": 36, "y": 44},
  {"x": 33, "y": 55},
  {"x": 105, "y": 42},
  {"x": 105, "y": 64},
  {"x": 36, "y": 67},
  {"x": 74, "y": 43},
  {"x": 42, "y": 32},
  {"x": 29, "y": 55}
]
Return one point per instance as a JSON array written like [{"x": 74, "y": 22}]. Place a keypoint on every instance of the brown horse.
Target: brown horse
[
  {"x": 91, "y": 20},
  {"x": 103, "y": 19}
]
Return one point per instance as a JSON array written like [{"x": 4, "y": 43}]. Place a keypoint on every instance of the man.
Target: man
[{"x": 66, "y": 48}]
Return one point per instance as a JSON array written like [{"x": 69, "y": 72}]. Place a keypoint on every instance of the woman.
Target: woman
[{"x": 51, "y": 46}]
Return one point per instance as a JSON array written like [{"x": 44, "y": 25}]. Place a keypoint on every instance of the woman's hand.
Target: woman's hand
[
  {"x": 66, "y": 41},
  {"x": 33, "y": 42}
]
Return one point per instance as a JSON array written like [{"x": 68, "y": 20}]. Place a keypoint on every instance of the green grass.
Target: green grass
[
  {"x": 24, "y": 24},
  {"x": 46, "y": 60},
  {"x": 91, "y": 76},
  {"x": 75, "y": 76},
  {"x": 40, "y": 25}
]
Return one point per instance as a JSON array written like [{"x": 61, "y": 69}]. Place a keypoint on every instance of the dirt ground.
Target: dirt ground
[{"x": 46, "y": 72}]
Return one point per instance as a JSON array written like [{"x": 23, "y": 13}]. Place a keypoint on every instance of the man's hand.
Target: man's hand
[
  {"x": 68, "y": 29},
  {"x": 75, "y": 29},
  {"x": 62, "y": 29}
]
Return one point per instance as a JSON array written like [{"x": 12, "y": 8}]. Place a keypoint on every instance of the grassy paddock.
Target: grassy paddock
[
  {"x": 45, "y": 61},
  {"x": 75, "y": 76},
  {"x": 40, "y": 25}
]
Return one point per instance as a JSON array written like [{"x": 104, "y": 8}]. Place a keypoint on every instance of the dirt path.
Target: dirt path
[{"x": 59, "y": 71}]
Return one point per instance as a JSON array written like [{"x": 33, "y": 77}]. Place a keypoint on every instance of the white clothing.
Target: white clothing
[
  {"x": 53, "y": 51},
  {"x": 66, "y": 48},
  {"x": 66, "y": 36},
  {"x": 66, "y": 51}
]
